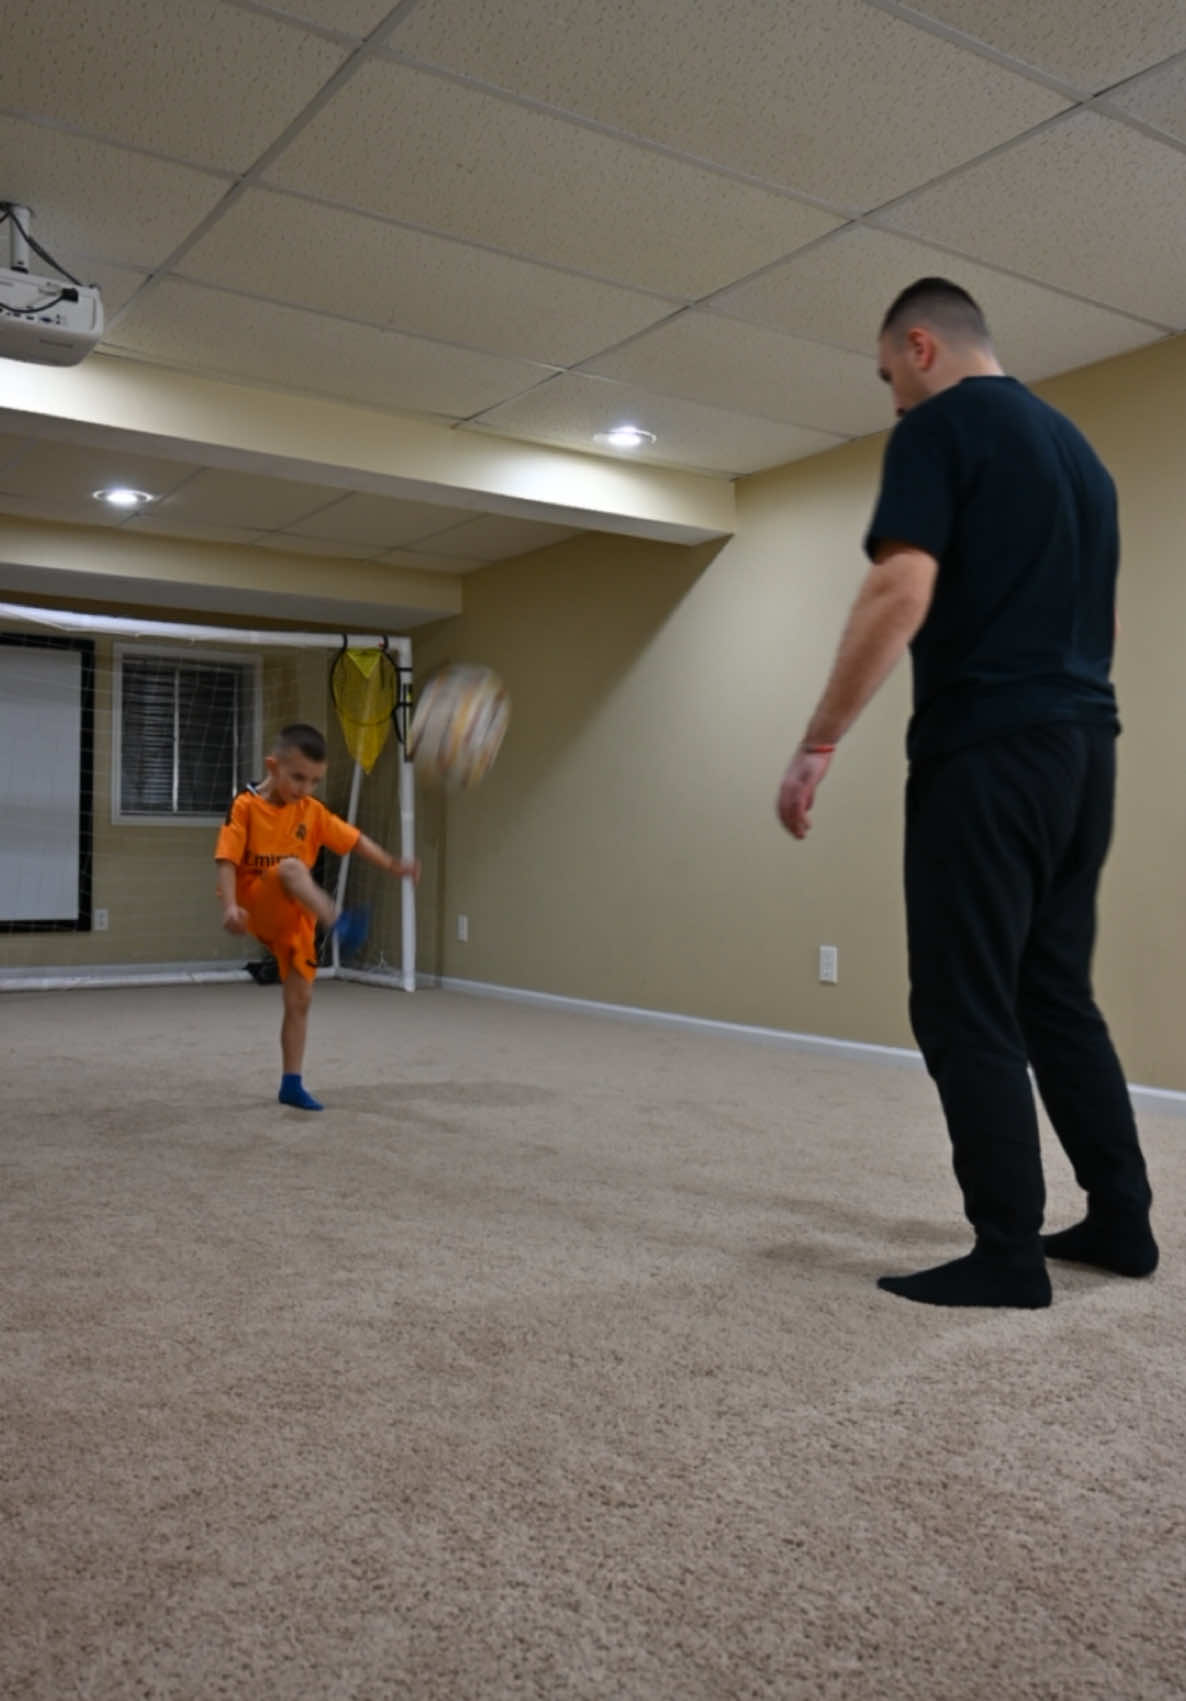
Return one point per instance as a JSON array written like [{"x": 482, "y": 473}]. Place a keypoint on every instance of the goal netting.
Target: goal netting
[{"x": 122, "y": 744}]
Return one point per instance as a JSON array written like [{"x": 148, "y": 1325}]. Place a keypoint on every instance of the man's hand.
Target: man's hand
[
  {"x": 234, "y": 919},
  {"x": 406, "y": 869},
  {"x": 796, "y": 795}
]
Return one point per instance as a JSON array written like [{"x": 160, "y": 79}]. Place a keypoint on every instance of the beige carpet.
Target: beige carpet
[{"x": 547, "y": 1363}]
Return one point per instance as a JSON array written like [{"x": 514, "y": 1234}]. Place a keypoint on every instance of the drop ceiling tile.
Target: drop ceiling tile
[
  {"x": 829, "y": 97},
  {"x": 165, "y": 525},
  {"x": 191, "y": 78},
  {"x": 12, "y": 447},
  {"x": 487, "y": 171},
  {"x": 229, "y": 336},
  {"x": 293, "y": 251},
  {"x": 1090, "y": 46},
  {"x": 720, "y": 362},
  {"x": 1088, "y": 205},
  {"x": 839, "y": 291},
  {"x": 242, "y": 500},
  {"x": 355, "y": 17},
  {"x": 571, "y": 409},
  {"x": 62, "y": 510},
  {"x": 71, "y": 474},
  {"x": 117, "y": 285},
  {"x": 380, "y": 522},
  {"x": 292, "y": 544},
  {"x": 91, "y": 200},
  {"x": 494, "y": 537},
  {"x": 1159, "y": 98}
]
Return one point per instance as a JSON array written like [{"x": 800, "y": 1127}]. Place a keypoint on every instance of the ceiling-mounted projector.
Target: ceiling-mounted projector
[{"x": 46, "y": 320}]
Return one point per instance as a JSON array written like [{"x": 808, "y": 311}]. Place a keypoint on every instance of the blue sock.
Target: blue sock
[
  {"x": 352, "y": 927},
  {"x": 291, "y": 1092}
]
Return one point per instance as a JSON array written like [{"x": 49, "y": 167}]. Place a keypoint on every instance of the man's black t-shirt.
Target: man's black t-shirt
[{"x": 1020, "y": 513}]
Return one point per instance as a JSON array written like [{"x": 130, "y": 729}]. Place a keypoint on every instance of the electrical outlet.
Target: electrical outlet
[
  {"x": 463, "y": 929},
  {"x": 829, "y": 964},
  {"x": 100, "y": 921}
]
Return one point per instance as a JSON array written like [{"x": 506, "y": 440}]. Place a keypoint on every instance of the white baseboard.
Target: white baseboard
[
  {"x": 672, "y": 1019},
  {"x": 79, "y": 976},
  {"x": 1156, "y": 1097}
]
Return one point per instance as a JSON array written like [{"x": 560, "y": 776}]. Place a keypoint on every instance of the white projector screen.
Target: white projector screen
[{"x": 44, "y": 785}]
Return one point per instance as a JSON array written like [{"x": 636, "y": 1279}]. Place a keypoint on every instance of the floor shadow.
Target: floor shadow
[
  {"x": 481, "y": 1095},
  {"x": 816, "y": 1256},
  {"x": 885, "y": 1242},
  {"x": 843, "y": 1219}
]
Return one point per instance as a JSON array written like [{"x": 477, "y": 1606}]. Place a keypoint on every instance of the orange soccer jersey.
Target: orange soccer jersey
[{"x": 256, "y": 837}]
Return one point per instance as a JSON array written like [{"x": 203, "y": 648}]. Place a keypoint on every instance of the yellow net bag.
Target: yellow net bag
[{"x": 364, "y": 685}]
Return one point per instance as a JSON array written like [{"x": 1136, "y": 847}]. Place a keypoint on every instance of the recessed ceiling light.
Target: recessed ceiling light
[
  {"x": 624, "y": 437},
  {"x": 120, "y": 496}
]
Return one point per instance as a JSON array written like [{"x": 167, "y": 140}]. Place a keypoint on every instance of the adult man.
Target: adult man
[{"x": 994, "y": 554}]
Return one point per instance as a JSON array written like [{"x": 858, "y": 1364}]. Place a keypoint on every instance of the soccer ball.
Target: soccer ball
[{"x": 458, "y": 727}]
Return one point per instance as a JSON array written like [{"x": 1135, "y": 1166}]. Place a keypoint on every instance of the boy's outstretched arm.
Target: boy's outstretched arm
[
  {"x": 404, "y": 867},
  {"x": 234, "y": 919}
]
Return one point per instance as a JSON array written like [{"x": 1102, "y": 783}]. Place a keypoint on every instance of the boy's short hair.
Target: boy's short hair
[
  {"x": 300, "y": 736},
  {"x": 940, "y": 304}
]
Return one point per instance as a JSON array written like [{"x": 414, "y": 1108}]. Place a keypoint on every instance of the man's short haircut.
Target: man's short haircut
[
  {"x": 941, "y": 306},
  {"x": 300, "y": 736}
]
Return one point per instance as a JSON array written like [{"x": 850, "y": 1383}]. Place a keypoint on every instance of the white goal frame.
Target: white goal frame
[{"x": 176, "y": 632}]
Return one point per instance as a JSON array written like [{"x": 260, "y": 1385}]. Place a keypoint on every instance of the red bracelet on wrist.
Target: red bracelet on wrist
[{"x": 817, "y": 749}]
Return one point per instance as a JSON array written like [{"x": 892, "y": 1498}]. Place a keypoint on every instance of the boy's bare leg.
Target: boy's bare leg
[
  {"x": 301, "y": 887},
  {"x": 294, "y": 1030},
  {"x": 298, "y": 996}
]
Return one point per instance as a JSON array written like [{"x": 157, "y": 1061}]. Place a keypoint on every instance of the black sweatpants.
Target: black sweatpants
[{"x": 1005, "y": 841}]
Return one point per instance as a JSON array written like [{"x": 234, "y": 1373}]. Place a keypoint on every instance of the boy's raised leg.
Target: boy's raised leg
[
  {"x": 301, "y": 887},
  {"x": 351, "y": 926}
]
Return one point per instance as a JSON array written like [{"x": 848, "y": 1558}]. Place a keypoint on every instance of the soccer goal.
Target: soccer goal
[{"x": 122, "y": 743}]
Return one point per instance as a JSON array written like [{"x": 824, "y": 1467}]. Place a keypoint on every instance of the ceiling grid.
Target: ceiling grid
[{"x": 525, "y": 222}]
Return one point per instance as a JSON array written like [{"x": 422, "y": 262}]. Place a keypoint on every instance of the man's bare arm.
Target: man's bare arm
[{"x": 890, "y": 607}]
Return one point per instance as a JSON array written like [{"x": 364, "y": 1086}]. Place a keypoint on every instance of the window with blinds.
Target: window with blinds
[{"x": 186, "y": 732}]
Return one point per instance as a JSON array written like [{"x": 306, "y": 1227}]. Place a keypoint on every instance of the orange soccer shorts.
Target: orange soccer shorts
[{"x": 280, "y": 923}]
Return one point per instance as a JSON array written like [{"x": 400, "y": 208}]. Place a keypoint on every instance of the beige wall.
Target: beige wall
[{"x": 625, "y": 847}]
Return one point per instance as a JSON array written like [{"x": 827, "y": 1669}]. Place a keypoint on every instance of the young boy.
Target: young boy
[{"x": 265, "y": 852}]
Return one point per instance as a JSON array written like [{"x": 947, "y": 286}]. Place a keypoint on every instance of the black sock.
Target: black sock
[
  {"x": 975, "y": 1280},
  {"x": 1124, "y": 1249}
]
